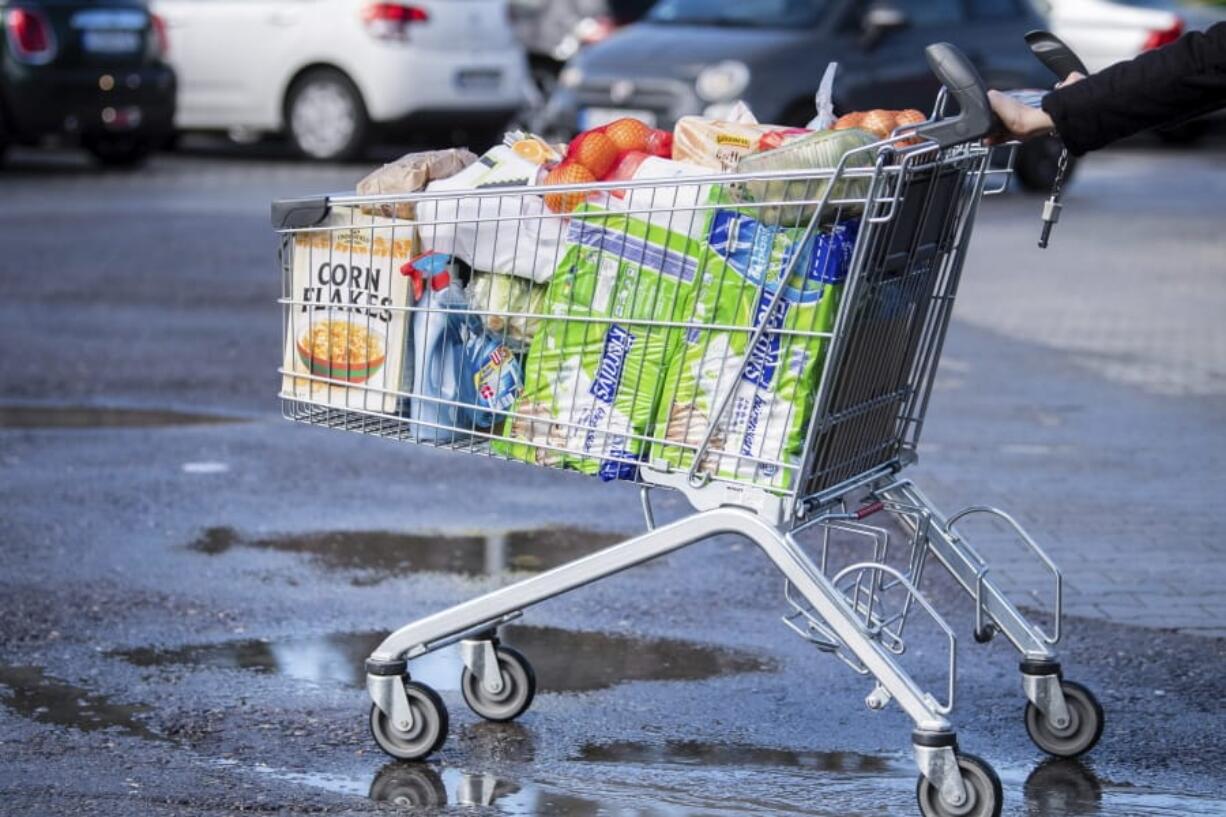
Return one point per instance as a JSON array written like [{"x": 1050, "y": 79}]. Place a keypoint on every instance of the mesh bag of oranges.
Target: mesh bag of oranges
[{"x": 593, "y": 154}]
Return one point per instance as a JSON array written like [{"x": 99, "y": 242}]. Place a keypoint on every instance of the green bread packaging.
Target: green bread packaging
[
  {"x": 771, "y": 385},
  {"x": 594, "y": 371}
]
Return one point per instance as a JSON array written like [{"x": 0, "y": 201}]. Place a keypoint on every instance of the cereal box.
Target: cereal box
[{"x": 345, "y": 331}]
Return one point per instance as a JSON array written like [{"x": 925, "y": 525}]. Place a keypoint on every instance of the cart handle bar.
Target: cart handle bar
[{"x": 958, "y": 75}]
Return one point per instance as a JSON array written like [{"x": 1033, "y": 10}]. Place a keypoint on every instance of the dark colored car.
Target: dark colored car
[
  {"x": 90, "y": 70},
  {"x": 698, "y": 56}
]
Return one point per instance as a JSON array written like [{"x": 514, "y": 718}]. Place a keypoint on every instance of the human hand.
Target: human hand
[
  {"x": 1017, "y": 120},
  {"x": 1072, "y": 79}
]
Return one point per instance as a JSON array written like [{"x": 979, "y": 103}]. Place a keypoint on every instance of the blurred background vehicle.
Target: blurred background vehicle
[
  {"x": 88, "y": 70},
  {"x": 553, "y": 31},
  {"x": 329, "y": 73},
  {"x": 700, "y": 56},
  {"x": 1104, "y": 32}
]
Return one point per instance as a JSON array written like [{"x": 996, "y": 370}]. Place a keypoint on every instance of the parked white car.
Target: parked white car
[
  {"x": 1103, "y": 32},
  {"x": 327, "y": 72}
]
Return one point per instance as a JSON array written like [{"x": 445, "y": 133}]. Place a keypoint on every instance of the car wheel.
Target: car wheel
[
  {"x": 325, "y": 116},
  {"x": 1037, "y": 162},
  {"x": 1185, "y": 133},
  {"x": 119, "y": 151}
]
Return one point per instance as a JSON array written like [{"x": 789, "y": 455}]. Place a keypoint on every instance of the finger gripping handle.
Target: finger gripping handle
[
  {"x": 1054, "y": 54},
  {"x": 958, "y": 75}
]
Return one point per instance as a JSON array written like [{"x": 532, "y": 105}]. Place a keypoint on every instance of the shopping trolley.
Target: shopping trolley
[{"x": 781, "y": 396}]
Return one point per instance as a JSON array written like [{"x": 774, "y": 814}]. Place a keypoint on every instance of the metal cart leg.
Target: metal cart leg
[
  {"x": 1062, "y": 717},
  {"x": 475, "y": 621}
]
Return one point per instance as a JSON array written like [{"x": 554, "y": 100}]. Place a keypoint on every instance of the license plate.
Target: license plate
[
  {"x": 478, "y": 79},
  {"x": 111, "y": 42},
  {"x": 597, "y": 117}
]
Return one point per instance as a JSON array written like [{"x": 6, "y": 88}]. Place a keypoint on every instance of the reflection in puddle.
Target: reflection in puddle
[
  {"x": 387, "y": 553},
  {"x": 30, "y": 692},
  {"x": 87, "y": 417},
  {"x": 564, "y": 660},
  {"x": 714, "y": 754},
  {"x": 1070, "y": 788}
]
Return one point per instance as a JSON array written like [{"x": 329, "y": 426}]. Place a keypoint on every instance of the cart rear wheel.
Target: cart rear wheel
[
  {"x": 984, "y": 796},
  {"x": 427, "y": 733},
  {"x": 1084, "y": 728},
  {"x": 518, "y": 688}
]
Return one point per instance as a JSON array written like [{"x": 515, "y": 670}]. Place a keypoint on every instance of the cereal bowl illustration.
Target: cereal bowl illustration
[{"x": 342, "y": 350}]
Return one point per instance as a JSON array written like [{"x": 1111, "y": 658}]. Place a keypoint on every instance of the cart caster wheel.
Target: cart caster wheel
[
  {"x": 427, "y": 733},
  {"x": 518, "y": 688},
  {"x": 986, "y": 634},
  {"x": 984, "y": 795},
  {"x": 1084, "y": 728}
]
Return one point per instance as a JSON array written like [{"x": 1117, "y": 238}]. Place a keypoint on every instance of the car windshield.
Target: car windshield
[{"x": 739, "y": 13}]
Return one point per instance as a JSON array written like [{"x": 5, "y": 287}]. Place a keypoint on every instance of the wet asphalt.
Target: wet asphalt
[{"x": 190, "y": 583}]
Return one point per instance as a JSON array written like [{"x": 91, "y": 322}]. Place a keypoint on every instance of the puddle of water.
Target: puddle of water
[
  {"x": 564, "y": 660},
  {"x": 385, "y": 553},
  {"x": 697, "y": 753},
  {"x": 412, "y": 786},
  {"x": 1070, "y": 788},
  {"x": 31, "y": 693},
  {"x": 90, "y": 417}
]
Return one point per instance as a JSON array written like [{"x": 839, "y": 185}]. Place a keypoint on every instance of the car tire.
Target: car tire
[
  {"x": 119, "y": 151},
  {"x": 1185, "y": 133},
  {"x": 1036, "y": 164},
  {"x": 325, "y": 117}
]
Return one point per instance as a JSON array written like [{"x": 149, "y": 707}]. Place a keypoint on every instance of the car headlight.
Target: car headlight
[
  {"x": 722, "y": 81},
  {"x": 571, "y": 77}
]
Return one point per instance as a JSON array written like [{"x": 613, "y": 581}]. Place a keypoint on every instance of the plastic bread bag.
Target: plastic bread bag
[
  {"x": 493, "y": 296},
  {"x": 820, "y": 152},
  {"x": 761, "y": 432},
  {"x": 719, "y": 144},
  {"x": 409, "y": 174},
  {"x": 511, "y": 234},
  {"x": 594, "y": 372}
]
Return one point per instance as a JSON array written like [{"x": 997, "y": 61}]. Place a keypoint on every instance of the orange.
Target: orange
[
  {"x": 595, "y": 151},
  {"x": 534, "y": 150},
  {"x": 628, "y": 134},
  {"x": 567, "y": 173}
]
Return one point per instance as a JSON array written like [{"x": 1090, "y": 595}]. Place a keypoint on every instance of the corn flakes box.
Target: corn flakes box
[{"x": 346, "y": 330}]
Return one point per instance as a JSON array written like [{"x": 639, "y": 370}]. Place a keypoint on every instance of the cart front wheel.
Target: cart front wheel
[
  {"x": 518, "y": 688},
  {"x": 427, "y": 733},
  {"x": 983, "y": 792},
  {"x": 1079, "y": 735}
]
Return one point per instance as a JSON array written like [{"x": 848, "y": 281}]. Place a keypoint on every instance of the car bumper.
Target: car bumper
[
  {"x": 46, "y": 101},
  {"x": 443, "y": 82},
  {"x": 667, "y": 100}
]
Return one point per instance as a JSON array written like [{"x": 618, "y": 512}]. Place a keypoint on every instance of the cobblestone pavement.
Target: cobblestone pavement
[{"x": 1103, "y": 429}]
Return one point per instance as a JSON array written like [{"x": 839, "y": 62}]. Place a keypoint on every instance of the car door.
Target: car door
[{"x": 231, "y": 57}]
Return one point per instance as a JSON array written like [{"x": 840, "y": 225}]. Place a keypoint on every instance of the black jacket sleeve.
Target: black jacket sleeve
[{"x": 1163, "y": 86}]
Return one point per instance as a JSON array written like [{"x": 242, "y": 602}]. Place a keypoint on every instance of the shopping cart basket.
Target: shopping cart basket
[{"x": 763, "y": 343}]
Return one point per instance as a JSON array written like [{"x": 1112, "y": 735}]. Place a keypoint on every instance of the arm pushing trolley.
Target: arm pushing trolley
[{"x": 764, "y": 343}]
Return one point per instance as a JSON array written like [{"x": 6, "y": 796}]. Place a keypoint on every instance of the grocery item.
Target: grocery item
[
  {"x": 592, "y": 376},
  {"x": 409, "y": 174},
  {"x": 720, "y": 145},
  {"x": 348, "y": 332},
  {"x": 770, "y": 402},
  {"x": 813, "y": 151},
  {"x": 823, "y": 100},
  {"x": 879, "y": 122},
  {"x": 437, "y": 348},
  {"x": 675, "y": 207},
  {"x": 509, "y": 234},
  {"x": 567, "y": 173},
  {"x": 490, "y": 381},
  {"x": 532, "y": 147},
  {"x": 629, "y": 134},
  {"x": 492, "y": 297},
  {"x": 595, "y": 151}
]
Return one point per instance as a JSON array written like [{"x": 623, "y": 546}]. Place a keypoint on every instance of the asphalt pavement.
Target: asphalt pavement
[{"x": 191, "y": 583}]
